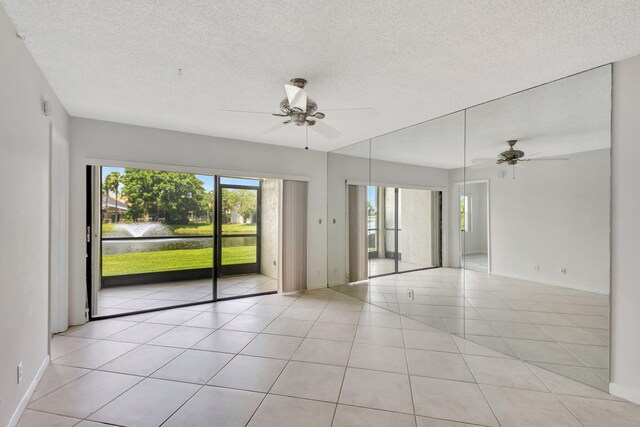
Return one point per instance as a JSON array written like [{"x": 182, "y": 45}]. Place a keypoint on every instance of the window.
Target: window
[{"x": 465, "y": 213}]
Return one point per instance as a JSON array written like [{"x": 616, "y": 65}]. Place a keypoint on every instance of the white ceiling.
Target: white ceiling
[
  {"x": 567, "y": 116},
  {"x": 411, "y": 60}
]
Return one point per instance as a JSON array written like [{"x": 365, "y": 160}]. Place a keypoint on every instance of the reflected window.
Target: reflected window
[{"x": 465, "y": 213}]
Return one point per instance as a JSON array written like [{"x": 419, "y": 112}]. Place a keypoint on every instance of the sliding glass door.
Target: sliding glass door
[
  {"x": 239, "y": 226},
  {"x": 404, "y": 230},
  {"x": 170, "y": 239}
]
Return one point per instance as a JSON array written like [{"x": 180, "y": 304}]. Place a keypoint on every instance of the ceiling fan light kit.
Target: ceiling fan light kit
[{"x": 300, "y": 110}]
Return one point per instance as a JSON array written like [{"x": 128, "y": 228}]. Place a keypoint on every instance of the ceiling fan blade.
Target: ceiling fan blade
[
  {"x": 297, "y": 97},
  {"x": 485, "y": 160},
  {"x": 542, "y": 159},
  {"x": 350, "y": 109},
  {"x": 325, "y": 130},
  {"x": 244, "y": 112}
]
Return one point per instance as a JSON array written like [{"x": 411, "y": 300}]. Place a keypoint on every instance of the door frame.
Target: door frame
[
  {"x": 252, "y": 268},
  {"x": 460, "y": 185}
]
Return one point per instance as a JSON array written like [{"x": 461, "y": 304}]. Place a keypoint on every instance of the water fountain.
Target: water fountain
[{"x": 143, "y": 229}]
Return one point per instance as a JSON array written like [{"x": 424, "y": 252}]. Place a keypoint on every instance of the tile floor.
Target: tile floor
[
  {"x": 560, "y": 329},
  {"x": 378, "y": 266},
  {"x": 126, "y": 299},
  {"x": 317, "y": 358},
  {"x": 477, "y": 262}
]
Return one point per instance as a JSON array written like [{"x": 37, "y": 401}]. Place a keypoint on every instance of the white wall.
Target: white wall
[
  {"x": 342, "y": 168},
  {"x": 119, "y": 142},
  {"x": 625, "y": 286},
  {"x": 475, "y": 240},
  {"x": 553, "y": 214},
  {"x": 414, "y": 241},
  {"x": 24, "y": 216},
  {"x": 269, "y": 228}
]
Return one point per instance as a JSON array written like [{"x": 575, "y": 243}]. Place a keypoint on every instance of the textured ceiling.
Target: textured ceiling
[
  {"x": 566, "y": 116},
  {"x": 410, "y": 60}
]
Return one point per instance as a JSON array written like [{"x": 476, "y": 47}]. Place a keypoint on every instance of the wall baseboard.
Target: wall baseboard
[
  {"x": 546, "y": 282},
  {"x": 632, "y": 394},
  {"x": 27, "y": 395}
]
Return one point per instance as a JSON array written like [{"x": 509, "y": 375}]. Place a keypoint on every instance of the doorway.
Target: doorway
[
  {"x": 474, "y": 226},
  {"x": 171, "y": 239}
]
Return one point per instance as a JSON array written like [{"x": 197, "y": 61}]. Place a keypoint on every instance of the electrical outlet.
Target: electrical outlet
[
  {"x": 19, "y": 372},
  {"x": 536, "y": 268},
  {"x": 274, "y": 263},
  {"x": 411, "y": 294},
  {"x": 563, "y": 270}
]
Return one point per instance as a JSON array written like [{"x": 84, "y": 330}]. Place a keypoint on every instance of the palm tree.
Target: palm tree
[{"x": 112, "y": 182}]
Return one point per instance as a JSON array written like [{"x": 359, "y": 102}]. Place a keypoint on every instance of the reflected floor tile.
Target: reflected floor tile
[
  {"x": 519, "y": 330},
  {"x": 351, "y": 416},
  {"x": 148, "y": 403},
  {"x": 492, "y": 343},
  {"x": 280, "y": 411},
  {"x": 523, "y": 407},
  {"x": 472, "y": 348},
  {"x": 561, "y": 384},
  {"x": 593, "y": 356},
  {"x": 38, "y": 419},
  {"x": 377, "y": 390},
  {"x": 215, "y": 406},
  {"x": 542, "y": 351},
  {"x": 310, "y": 381},
  {"x": 567, "y": 334},
  {"x": 596, "y": 412},
  {"x": 143, "y": 360},
  {"x": 438, "y": 365},
  {"x": 580, "y": 373},
  {"x": 451, "y": 400},
  {"x": 85, "y": 395},
  {"x": 425, "y": 340},
  {"x": 194, "y": 366},
  {"x": 505, "y": 373},
  {"x": 249, "y": 373}
]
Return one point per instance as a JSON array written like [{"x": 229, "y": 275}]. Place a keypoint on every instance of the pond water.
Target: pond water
[{"x": 110, "y": 247}]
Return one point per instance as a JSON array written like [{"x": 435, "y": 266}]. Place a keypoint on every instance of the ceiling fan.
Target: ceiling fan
[
  {"x": 301, "y": 110},
  {"x": 513, "y": 157}
]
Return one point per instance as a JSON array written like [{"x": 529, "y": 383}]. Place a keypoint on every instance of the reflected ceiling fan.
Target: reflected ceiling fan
[
  {"x": 513, "y": 157},
  {"x": 301, "y": 110}
]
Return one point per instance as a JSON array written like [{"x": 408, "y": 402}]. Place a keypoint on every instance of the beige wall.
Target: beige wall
[{"x": 269, "y": 228}]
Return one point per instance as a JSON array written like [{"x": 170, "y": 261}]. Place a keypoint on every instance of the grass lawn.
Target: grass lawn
[{"x": 182, "y": 259}]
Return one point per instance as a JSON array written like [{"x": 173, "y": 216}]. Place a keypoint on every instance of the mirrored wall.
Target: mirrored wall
[{"x": 491, "y": 223}]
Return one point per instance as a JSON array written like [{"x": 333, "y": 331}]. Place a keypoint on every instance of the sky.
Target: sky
[{"x": 206, "y": 179}]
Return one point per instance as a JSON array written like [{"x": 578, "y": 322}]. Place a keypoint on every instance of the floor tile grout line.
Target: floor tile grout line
[{"x": 344, "y": 375}]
